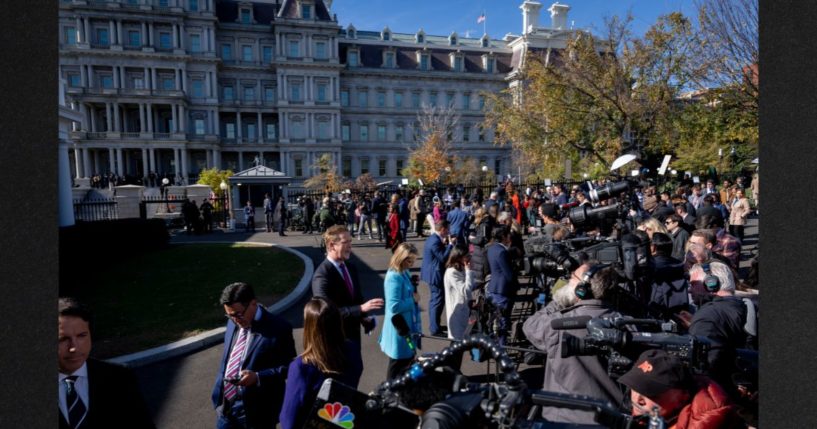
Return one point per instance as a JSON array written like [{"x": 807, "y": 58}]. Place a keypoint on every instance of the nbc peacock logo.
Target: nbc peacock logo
[{"x": 338, "y": 414}]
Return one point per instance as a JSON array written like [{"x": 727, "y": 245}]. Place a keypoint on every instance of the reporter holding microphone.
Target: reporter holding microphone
[{"x": 401, "y": 300}]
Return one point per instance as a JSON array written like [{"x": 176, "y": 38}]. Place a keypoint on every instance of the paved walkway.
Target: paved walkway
[{"x": 178, "y": 389}]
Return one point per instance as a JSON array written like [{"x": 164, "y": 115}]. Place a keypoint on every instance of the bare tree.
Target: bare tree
[{"x": 432, "y": 154}]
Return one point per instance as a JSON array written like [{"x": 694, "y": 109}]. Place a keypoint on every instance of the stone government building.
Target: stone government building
[{"x": 177, "y": 86}]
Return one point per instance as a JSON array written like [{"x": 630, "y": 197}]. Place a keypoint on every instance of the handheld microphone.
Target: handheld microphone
[{"x": 399, "y": 323}]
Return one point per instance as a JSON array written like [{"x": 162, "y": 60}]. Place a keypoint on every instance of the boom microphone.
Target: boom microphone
[
  {"x": 577, "y": 322},
  {"x": 399, "y": 323}
]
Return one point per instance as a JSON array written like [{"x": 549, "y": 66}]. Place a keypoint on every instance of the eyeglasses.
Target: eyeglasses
[{"x": 237, "y": 314}]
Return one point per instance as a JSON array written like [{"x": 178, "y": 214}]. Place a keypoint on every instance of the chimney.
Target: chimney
[
  {"x": 558, "y": 16},
  {"x": 530, "y": 15}
]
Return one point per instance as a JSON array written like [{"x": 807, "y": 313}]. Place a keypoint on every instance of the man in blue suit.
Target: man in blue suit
[
  {"x": 503, "y": 285},
  {"x": 435, "y": 254},
  {"x": 458, "y": 219},
  {"x": 258, "y": 347},
  {"x": 404, "y": 215}
]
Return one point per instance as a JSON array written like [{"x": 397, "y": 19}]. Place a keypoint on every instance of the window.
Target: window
[
  {"x": 399, "y": 167},
  {"x": 102, "y": 36},
  {"x": 364, "y": 132},
  {"x": 294, "y": 49},
  {"x": 70, "y": 36},
  {"x": 271, "y": 132},
  {"x": 432, "y": 99},
  {"x": 269, "y": 93},
  {"x": 226, "y": 52},
  {"x": 497, "y": 165},
  {"x": 199, "y": 127},
  {"x": 74, "y": 80},
  {"x": 107, "y": 81},
  {"x": 246, "y": 53},
  {"x": 295, "y": 92},
  {"x": 388, "y": 62},
  {"x": 198, "y": 88},
  {"x": 420, "y": 38},
  {"x": 381, "y": 133},
  {"x": 351, "y": 59},
  {"x": 386, "y": 35},
  {"x": 484, "y": 42},
  {"x": 466, "y": 133},
  {"x": 322, "y": 92},
  {"x": 381, "y": 99},
  {"x": 345, "y": 135},
  {"x": 347, "y": 167},
  {"x": 228, "y": 93},
  {"x": 482, "y": 135},
  {"x": 163, "y": 3},
  {"x": 251, "y": 130},
  {"x": 415, "y": 100},
  {"x": 323, "y": 129},
  {"x": 168, "y": 83},
  {"x": 452, "y": 40},
  {"x": 398, "y": 99},
  {"x": 398, "y": 133},
  {"x": 230, "y": 130},
  {"x": 466, "y": 101},
  {"x": 299, "y": 167},
  {"x": 344, "y": 97},
  {"x": 364, "y": 165},
  {"x": 195, "y": 43},
  {"x": 194, "y": 5},
  {"x": 245, "y": 16},
  {"x": 164, "y": 40},
  {"x": 320, "y": 50},
  {"x": 381, "y": 167},
  {"x": 458, "y": 64},
  {"x": 449, "y": 100},
  {"x": 423, "y": 62},
  {"x": 481, "y": 102},
  {"x": 138, "y": 82},
  {"x": 249, "y": 93},
  {"x": 134, "y": 38},
  {"x": 306, "y": 11},
  {"x": 363, "y": 98},
  {"x": 489, "y": 65},
  {"x": 266, "y": 54}
]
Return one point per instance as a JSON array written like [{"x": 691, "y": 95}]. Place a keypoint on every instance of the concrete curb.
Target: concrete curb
[{"x": 212, "y": 337}]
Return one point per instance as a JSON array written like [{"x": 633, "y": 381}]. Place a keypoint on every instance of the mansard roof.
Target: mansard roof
[
  {"x": 372, "y": 56},
  {"x": 289, "y": 10},
  {"x": 227, "y": 11},
  {"x": 429, "y": 39}
]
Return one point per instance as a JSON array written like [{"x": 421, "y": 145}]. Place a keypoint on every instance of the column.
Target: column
[
  {"x": 120, "y": 167},
  {"x": 111, "y": 161},
  {"x": 96, "y": 161},
  {"x": 116, "y": 121},
  {"x": 92, "y": 115},
  {"x": 209, "y": 158},
  {"x": 124, "y": 167},
  {"x": 217, "y": 158},
  {"x": 181, "y": 37},
  {"x": 84, "y": 112},
  {"x": 90, "y": 76},
  {"x": 176, "y": 172},
  {"x": 182, "y": 118},
  {"x": 119, "y": 32},
  {"x": 153, "y": 78},
  {"x": 108, "y": 117},
  {"x": 238, "y": 125},
  {"x": 207, "y": 85},
  {"x": 86, "y": 163},
  {"x": 152, "y": 34},
  {"x": 144, "y": 34},
  {"x": 178, "y": 75},
  {"x": 142, "y": 122},
  {"x": 150, "y": 117},
  {"x": 185, "y": 162},
  {"x": 175, "y": 36},
  {"x": 80, "y": 33},
  {"x": 213, "y": 85},
  {"x": 183, "y": 74},
  {"x": 112, "y": 33},
  {"x": 152, "y": 159},
  {"x": 216, "y": 122},
  {"x": 240, "y": 161},
  {"x": 122, "y": 75},
  {"x": 145, "y": 170},
  {"x": 77, "y": 163},
  {"x": 145, "y": 77},
  {"x": 85, "y": 38},
  {"x": 83, "y": 76},
  {"x": 260, "y": 129},
  {"x": 175, "y": 118},
  {"x": 116, "y": 80}
]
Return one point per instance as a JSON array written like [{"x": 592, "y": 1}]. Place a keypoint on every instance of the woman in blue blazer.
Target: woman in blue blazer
[{"x": 401, "y": 298}]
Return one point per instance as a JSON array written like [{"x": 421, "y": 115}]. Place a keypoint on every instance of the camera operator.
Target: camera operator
[
  {"x": 669, "y": 292},
  {"x": 547, "y": 213},
  {"x": 583, "y": 375},
  {"x": 660, "y": 381}
]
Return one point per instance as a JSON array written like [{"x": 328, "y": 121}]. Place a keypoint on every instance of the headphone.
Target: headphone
[
  {"x": 711, "y": 282},
  {"x": 583, "y": 289}
]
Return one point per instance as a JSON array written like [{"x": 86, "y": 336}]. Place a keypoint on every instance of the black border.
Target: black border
[{"x": 28, "y": 195}]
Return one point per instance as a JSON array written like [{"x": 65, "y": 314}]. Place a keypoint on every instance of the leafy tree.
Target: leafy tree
[
  {"x": 365, "y": 182},
  {"x": 327, "y": 178},
  {"x": 213, "y": 177},
  {"x": 431, "y": 156}
]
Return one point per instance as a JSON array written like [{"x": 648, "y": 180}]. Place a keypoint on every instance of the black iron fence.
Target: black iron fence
[{"x": 95, "y": 210}]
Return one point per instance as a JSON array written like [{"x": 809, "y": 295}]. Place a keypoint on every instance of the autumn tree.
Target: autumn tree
[
  {"x": 365, "y": 182},
  {"x": 213, "y": 177},
  {"x": 327, "y": 178},
  {"x": 431, "y": 154}
]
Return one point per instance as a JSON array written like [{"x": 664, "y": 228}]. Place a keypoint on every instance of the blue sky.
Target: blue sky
[{"x": 441, "y": 17}]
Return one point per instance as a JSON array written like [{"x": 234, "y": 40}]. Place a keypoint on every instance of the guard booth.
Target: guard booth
[{"x": 252, "y": 184}]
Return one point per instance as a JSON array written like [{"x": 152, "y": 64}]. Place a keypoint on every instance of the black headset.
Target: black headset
[
  {"x": 583, "y": 289},
  {"x": 711, "y": 282}
]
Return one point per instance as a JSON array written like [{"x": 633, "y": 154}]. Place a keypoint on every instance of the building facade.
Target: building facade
[{"x": 172, "y": 87}]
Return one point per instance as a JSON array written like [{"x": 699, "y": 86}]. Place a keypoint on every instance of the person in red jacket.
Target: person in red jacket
[{"x": 660, "y": 382}]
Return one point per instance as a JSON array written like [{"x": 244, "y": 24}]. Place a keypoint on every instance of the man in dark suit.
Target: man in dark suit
[
  {"x": 336, "y": 281},
  {"x": 93, "y": 393},
  {"x": 503, "y": 285},
  {"x": 435, "y": 254},
  {"x": 258, "y": 347},
  {"x": 404, "y": 215},
  {"x": 458, "y": 219}
]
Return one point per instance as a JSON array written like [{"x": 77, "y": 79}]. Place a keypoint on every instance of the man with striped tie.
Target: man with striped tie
[
  {"x": 258, "y": 347},
  {"x": 93, "y": 393}
]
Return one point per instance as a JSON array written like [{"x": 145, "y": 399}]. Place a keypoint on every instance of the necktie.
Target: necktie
[
  {"x": 234, "y": 364},
  {"x": 76, "y": 408},
  {"x": 347, "y": 279}
]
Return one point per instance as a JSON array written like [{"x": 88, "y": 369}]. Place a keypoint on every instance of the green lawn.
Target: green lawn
[{"x": 171, "y": 294}]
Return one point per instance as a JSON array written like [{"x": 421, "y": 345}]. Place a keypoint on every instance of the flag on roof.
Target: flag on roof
[{"x": 481, "y": 19}]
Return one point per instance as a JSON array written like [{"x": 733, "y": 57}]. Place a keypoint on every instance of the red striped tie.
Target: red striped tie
[{"x": 234, "y": 364}]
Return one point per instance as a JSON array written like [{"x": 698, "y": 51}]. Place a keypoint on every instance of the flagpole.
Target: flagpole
[{"x": 484, "y": 22}]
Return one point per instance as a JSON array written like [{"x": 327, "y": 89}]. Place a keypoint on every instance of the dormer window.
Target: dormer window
[
  {"x": 352, "y": 58},
  {"x": 351, "y": 33},
  {"x": 306, "y": 11},
  {"x": 420, "y": 37},
  {"x": 452, "y": 39},
  {"x": 484, "y": 41},
  {"x": 489, "y": 63},
  {"x": 423, "y": 60},
  {"x": 388, "y": 59},
  {"x": 385, "y": 34},
  {"x": 456, "y": 61},
  {"x": 245, "y": 15}
]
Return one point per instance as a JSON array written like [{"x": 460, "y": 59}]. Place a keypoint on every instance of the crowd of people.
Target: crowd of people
[{"x": 474, "y": 252}]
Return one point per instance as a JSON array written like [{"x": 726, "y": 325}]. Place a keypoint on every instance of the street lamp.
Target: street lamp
[{"x": 223, "y": 186}]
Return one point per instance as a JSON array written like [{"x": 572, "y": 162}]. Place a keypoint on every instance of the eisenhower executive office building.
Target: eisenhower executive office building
[{"x": 177, "y": 86}]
